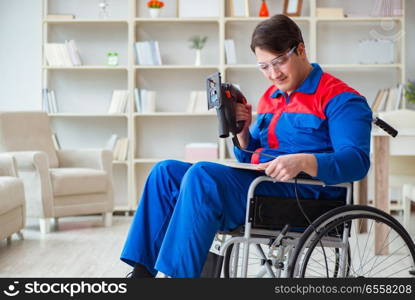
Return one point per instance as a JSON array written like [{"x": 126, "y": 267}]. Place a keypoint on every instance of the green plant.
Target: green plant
[
  {"x": 197, "y": 42},
  {"x": 410, "y": 91}
]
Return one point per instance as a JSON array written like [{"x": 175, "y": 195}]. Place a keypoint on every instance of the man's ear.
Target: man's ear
[{"x": 301, "y": 49}]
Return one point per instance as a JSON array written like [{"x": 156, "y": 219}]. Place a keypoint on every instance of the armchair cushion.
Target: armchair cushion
[
  {"x": 77, "y": 181},
  {"x": 11, "y": 194},
  {"x": 27, "y": 131}
]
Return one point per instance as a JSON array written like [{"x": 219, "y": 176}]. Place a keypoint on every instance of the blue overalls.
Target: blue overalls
[{"x": 184, "y": 205}]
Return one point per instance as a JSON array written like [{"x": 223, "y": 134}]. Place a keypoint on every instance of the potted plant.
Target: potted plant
[
  {"x": 410, "y": 93},
  {"x": 155, "y": 7},
  {"x": 197, "y": 43}
]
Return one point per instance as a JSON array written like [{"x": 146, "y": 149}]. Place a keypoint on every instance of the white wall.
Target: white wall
[
  {"x": 410, "y": 38},
  {"x": 20, "y": 54}
]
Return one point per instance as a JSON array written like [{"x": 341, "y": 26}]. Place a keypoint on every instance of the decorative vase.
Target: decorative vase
[
  {"x": 198, "y": 55},
  {"x": 154, "y": 12},
  {"x": 263, "y": 12}
]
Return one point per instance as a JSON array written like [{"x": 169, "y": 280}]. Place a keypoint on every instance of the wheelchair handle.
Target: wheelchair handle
[{"x": 385, "y": 127}]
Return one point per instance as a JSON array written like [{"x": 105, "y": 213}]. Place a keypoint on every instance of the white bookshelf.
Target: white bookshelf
[{"x": 84, "y": 92}]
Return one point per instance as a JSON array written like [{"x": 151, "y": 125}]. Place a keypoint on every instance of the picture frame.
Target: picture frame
[{"x": 292, "y": 8}]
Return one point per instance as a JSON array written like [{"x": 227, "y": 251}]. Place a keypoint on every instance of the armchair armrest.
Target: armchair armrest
[
  {"x": 86, "y": 158},
  {"x": 33, "y": 167},
  {"x": 7, "y": 165}
]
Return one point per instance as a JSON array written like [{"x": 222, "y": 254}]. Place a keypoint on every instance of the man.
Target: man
[{"x": 308, "y": 120}]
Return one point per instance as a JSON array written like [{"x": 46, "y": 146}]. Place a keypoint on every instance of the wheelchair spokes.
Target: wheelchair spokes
[{"x": 394, "y": 256}]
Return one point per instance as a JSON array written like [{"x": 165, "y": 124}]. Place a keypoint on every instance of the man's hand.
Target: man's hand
[
  {"x": 286, "y": 167},
  {"x": 243, "y": 112}
]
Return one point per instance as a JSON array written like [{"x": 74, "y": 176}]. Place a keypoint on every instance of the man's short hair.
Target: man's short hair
[{"x": 276, "y": 34}]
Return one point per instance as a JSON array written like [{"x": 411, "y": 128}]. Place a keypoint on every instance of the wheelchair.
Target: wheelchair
[{"x": 340, "y": 243}]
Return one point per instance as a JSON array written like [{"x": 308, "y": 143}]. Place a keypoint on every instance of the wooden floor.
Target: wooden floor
[{"x": 81, "y": 248}]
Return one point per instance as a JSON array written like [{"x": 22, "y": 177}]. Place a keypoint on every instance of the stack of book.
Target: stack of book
[
  {"x": 197, "y": 102},
  {"x": 60, "y": 17},
  {"x": 62, "y": 55},
  {"x": 118, "y": 146},
  {"x": 145, "y": 100},
  {"x": 388, "y": 99},
  {"x": 148, "y": 53},
  {"x": 239, "y": 8},
  {"x": 118, "y": 102},
  {"x": 230, "y": 52},
  {"x": 387, "y": 8},
  {"x": 49, "y": 104},
  {"x": 329, "y": 12}
]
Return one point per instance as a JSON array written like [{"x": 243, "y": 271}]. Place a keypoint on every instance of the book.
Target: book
[
  {"x": 110, "y": 144},
  {"x": 400, "y": 95},
  {"x": 387, "y": 8},
  {"x": 375, "y": 101},
  {"x": 239, "y": 8},
  {"x": 383, "y": 100},
  {"x": 52, "y": 106},
  {"x": 73, "y": 52},
  {"x": 119, "y": 102},
  {"x": 137, "y": 100},
  {"x": 55, "y": 141},
  {"x": 329, "y": 12},
  {"x": 60, "y": 16},
  {"x": 392, "y": 99},
  {"x": 62, "y": 55},
  {"x": 197, "y": 102},
  {"x": 238, "y": 165},
  {"x": 230, "y": 52},
  {"x": 148, "y": 101},
  {"x": 45, "y": 104},
  {"x": 121, "y": 149},
  {"x": 155, "y": 51},
  {"x": 148, "y": 53}
]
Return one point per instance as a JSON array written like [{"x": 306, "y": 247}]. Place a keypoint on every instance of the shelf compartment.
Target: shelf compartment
[
  {"x": 176, "y": 20},
  {"x": 157, "y": 140},
  {"x": 71, "y": 115},
  {"x": 176, "y": 67},
  {"x": 94, "y": 41},
  {"x": 84, "y": 21},
  {"x": 174, "y": 114},
  {"x": 174, "y": 47},
  {"x": 260, "y": 19},
  {"x": 79, "y": 92},
  {"x": 172, "y": 97},
  {"x": 91, "y": 68}
]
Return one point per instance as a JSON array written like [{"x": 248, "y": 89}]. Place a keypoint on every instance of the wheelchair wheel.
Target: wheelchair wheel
[{"x": 353, "y": 228}]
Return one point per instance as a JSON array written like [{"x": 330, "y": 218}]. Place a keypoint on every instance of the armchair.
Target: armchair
[
  {"x": 12, "y": 201},
  {"x": 58, "y": 183}
]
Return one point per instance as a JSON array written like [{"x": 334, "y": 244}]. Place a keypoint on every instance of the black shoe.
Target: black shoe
[{"x": 139, "y": 271}]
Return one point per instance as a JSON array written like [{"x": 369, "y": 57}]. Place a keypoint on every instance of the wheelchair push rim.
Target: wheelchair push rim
[{"x": 392, "y": 256}]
